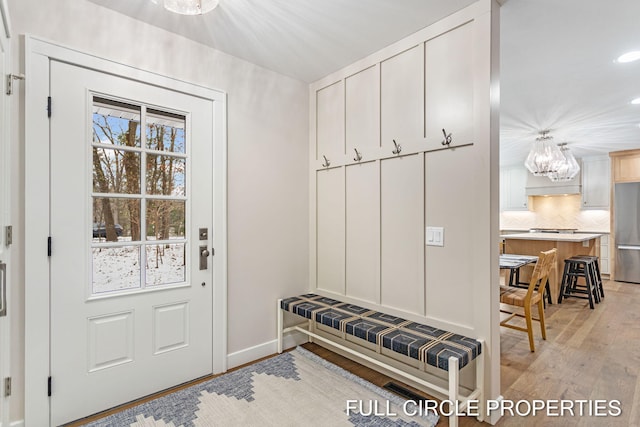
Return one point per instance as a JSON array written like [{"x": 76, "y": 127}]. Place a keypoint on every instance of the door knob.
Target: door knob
[{"x": 204, "y": 254}]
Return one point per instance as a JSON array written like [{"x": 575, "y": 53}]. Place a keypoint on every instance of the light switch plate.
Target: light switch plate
[{"x": 434, "y": 236}]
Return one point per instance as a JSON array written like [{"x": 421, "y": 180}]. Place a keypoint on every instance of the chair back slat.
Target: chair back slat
[{"x": 541, "y": 271}]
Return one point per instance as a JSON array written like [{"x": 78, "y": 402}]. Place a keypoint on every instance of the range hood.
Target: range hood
[{"x": 543, "y": 186}]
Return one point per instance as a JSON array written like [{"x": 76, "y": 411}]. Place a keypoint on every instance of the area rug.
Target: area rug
[{"x": 297, "y": 388}]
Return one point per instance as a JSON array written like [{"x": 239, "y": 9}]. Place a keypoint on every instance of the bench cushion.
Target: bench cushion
[{"x": 430, "y": 345}]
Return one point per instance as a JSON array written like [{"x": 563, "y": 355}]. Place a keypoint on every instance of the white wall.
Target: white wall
[{"x": 267, "y": 160}]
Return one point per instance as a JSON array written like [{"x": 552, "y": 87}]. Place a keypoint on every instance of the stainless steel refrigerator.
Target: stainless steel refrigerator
[{"x": 627, "y": 231}]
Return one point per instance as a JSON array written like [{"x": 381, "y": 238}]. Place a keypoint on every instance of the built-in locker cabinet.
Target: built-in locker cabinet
[
  {"x": 363, "y": 231},
  {"x": 330, "y": 230},
  {"x": 362, "y": 99},
  {"x": 449, "y": 87},
  {"x": 402, "y": 233},
  {"x": 330, "y": 121},
  {"x": 402, "y": 97}
]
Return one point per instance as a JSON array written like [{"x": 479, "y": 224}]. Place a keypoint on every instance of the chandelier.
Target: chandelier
[
  {"x": 188, "y": 7},
  {"x": 553, "y": 161},
  {"x": 545, "y": 157},
  {"x": 568, "y": 169}
]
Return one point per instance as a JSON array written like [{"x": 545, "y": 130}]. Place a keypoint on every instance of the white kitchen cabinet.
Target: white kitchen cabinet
[
  {"x": 449, "y": 87},
  {"x": 330, "y": 121},
  {"x": 596, "y": 182},
  {"x": 513, "y": 196},
  {"x": 330, "y": 229},
  {"x": 604, "y": 254},
  {"x": 402, "y": 233},
  {"x": 402, "y": 97}
]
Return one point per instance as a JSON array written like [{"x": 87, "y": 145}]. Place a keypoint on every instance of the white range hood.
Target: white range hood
[{"x": 543, "y": 186}]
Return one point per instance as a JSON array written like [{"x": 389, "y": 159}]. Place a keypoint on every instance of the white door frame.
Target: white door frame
[
  {"x": 38, "y": 53},
  {"x": 5, "y": 210}
]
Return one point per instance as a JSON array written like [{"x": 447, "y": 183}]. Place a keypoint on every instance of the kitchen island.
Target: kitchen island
[{"x": 567, "y": 244}]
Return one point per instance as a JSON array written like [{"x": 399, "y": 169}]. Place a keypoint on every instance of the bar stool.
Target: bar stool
[
  {"x": 574, "y": 268},
  {"x": 595, "y": 271}
]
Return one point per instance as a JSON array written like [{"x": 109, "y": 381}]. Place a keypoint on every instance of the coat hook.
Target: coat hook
[
  {"x": 447, "y": 138},
  {"x": 398, "y": 148},
  {"x": 326, "y": 162},
  {"x": 358, "y": 156}
]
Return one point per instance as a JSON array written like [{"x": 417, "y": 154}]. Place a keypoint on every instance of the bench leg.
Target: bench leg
[
  {"x": 480, "y": 379},
  {"x": 280, "y": 325},
  {"x": 454, "y": 378}
]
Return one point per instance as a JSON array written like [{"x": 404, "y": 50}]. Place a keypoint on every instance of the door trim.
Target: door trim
[{"x": 38, "y": 53}]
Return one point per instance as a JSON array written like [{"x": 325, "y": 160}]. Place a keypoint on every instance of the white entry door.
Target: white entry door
[{"x": 131, "y": 229}]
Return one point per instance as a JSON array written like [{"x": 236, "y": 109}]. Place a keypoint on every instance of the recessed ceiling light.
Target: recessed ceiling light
[
  {"x": 636, "y": 101},
  {"x": 629, "y": 56}
]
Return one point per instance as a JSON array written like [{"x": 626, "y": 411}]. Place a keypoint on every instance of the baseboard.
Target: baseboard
[
  {"x": 19, "y": 423},
  {"x": 262, "y": 350}
]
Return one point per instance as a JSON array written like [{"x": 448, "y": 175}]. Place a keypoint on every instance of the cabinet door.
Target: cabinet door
[
  {"x": 596, "y": 185},
  {"x": 363, "y": 231},
  {"x": 513, "y": 196},
  {"x": 604, "y": 254},
  {"x": 402, "y": 233},
  {"x": 363, "y": 110},
  {"x": 449, "y": 87},
  {"x": 402, "y": 97},
  {"x": 626, "y": 167},
  {"x": 330, "y": 120},
  {"x": 330, "y": 228}
]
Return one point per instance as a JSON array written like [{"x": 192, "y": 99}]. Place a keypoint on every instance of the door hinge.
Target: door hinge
[
  {"x": 10, "y": 79},
  {"x": 49, "y": 386},
  {"x": 213, "y": 251},
  {"x": 49, "y": 246},
  {"x": 7, "y": 387},
  {"x": 8, "y": 235},
  {"x": 48, "y": 106}
]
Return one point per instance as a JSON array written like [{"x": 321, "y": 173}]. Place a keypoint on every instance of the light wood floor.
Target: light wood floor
[{"x": 588, "y": 354}]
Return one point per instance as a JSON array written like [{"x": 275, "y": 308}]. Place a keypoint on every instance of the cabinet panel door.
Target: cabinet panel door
[
  {"x": 363, "y": 231},
  {"x": 402, "y": 233},
  {"x": 449, "y": 86},
  {"x": 626, "y": 168},
  {"x": 363, "y": 110},
  {"x": 402, "y": 97},
  {"x": 330, "y": 227},
  {"x": 596, "y": 187},
  {"x": 330, "y": 120}
]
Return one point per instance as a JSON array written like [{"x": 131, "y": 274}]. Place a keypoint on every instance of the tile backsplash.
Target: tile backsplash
[{"x": 556, "y": 212}]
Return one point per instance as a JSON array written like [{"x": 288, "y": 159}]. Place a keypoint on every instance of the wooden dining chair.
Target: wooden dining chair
[{"x": 529, "y": 297}]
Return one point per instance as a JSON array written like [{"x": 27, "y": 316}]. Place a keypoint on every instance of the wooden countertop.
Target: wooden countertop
[{"x": 554, "y": 237}]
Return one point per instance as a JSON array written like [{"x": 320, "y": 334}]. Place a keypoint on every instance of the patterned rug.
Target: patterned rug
[{"x": 296, "y": 388}]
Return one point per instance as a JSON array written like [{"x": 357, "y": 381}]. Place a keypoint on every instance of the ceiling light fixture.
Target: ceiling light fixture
[
  {"x": 545, "y": 156},
  {"x": 629, "y": 56},
  {"x": 568, "y": 169},
  {"x": 188, "y": 7},
  {"x": 635, "y": 101}
]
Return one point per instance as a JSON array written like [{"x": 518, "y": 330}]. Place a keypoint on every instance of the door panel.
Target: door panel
[
  {"x": 402, "y": 233},
  {"x": 131, "y": 311}
]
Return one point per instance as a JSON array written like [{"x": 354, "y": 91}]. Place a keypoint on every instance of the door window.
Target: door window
[{"x": 139, "y": 204}]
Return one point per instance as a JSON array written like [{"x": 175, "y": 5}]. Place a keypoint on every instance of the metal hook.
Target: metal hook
[
  {"x": 358, "y": 156},
  {"x": 326, "y": 162},
  {"x": 447, "y": 138},
  {"x": 398, "y": 148}
]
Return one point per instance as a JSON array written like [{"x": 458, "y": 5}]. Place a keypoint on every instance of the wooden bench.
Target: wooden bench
[{"x": 427, "y": 345}]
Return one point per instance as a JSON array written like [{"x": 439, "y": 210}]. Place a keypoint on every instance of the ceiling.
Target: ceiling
[{"x": 557, "y": 70}]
